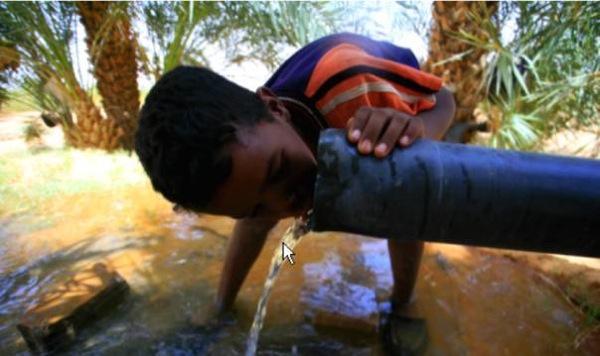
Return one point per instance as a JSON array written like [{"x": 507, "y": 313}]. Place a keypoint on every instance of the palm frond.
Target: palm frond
[
  {"x": 180, "y": 32},
  {"x": 547, "y": 76},
  {"x": 44, "y": 36}
]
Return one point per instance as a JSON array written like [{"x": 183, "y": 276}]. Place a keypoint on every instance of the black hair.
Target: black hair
[{"x": 189, "y": 115}]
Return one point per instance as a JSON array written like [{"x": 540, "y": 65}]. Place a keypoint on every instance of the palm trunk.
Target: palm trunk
[
  {"x": 91, "y": 129},
  {"x": 112, "y": 47},
  {"x": 9, "y": 62},
  {"x": 462, "y": 76}
]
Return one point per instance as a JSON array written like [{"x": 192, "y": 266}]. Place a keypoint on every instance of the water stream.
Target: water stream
[{"x": 290, "y": 238}]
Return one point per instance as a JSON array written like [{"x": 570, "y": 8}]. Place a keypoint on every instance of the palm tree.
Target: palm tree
[
  {"x": 9, "y": 63},
  {"x": 544, "y": 79},
  {"x": 45, "y": 37},
  {"x": 43, "y": 34},
  {"x": 459, "y": 63},
  {"x": 112, "y": 48}
]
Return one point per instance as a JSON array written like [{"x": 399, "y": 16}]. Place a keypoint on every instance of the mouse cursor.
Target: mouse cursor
[{"x": 287, "y": 252}]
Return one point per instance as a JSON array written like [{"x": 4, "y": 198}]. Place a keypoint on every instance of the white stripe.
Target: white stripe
[{"x": 382, "y": 87}]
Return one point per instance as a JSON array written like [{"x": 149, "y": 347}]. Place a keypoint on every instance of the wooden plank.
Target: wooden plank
[{"x": 58, "y": 317}]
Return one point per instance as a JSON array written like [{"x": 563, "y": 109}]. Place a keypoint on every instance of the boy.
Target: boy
[{"x": 211, "y": 146}]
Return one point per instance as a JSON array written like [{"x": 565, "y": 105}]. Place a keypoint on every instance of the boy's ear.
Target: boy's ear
[{"x": 274, "y": 105}]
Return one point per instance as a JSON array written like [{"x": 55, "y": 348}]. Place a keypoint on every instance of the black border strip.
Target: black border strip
[{"x": 352, "y": 71}]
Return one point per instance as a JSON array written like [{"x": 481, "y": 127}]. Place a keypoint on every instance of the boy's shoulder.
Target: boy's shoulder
[
  {"x": 292, "y": 77},
  {"x": 336, "y": 75}
]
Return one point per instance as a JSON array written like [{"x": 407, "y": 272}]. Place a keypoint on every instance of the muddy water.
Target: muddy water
[{"x": 474, "y": 303}]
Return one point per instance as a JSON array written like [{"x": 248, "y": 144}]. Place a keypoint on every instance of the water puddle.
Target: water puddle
[
  {"x": 290, "y": 239},
  {"x": 473, "y": 302}
]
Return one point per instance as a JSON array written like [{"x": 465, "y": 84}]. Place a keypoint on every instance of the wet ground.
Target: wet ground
[{"x": 63, "y": 210}]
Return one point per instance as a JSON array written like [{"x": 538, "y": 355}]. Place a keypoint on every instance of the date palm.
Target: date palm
[
  {"x": 44, "y": 35},
  {"x": 459, "y": 63},
  {"x": 112, "y": 48},
  {"x": 544, "y": 79},
  {"x": 9, "y": 62}
]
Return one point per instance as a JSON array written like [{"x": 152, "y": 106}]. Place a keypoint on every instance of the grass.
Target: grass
[{"x": 29, "y": 179}]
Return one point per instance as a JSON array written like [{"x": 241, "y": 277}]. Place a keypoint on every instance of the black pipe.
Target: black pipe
[{"x": 435, "y": 191}]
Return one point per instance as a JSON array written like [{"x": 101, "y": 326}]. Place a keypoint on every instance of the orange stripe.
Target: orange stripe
[
  {"x": 343, "y": 112},
  {"x": 345, "y": 56},
  {"x": 356, "y": 81}
]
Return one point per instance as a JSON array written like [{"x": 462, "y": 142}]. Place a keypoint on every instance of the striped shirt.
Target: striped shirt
[{"x": 337, "y": 74}]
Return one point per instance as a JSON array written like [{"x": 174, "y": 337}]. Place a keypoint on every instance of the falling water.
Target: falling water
[{"x": 291, "y": 238}]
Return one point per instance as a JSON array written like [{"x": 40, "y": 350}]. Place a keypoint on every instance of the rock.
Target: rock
[
  {"x": 60, "y": 314},
  {"x": 345, "y": 307}
]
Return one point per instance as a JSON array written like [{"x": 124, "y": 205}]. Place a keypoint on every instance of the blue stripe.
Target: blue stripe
[{"x": 291, "y": 79}]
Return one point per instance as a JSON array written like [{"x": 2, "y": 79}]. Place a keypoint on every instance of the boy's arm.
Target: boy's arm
[
  {"x": 248, "y": 238},
  {"x": 379, "y": 130}
]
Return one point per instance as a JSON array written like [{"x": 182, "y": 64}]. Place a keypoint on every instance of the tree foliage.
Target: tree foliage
[
  {"x": 180, "y": 32},
  {"x": 547, "y": 77},
  {"x": 44, "y": 34},
  {"x": 46, "y": 38},
  {"x": 542, "y": 80}
]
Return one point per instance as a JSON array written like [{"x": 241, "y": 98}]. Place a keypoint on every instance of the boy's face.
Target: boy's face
[{"x": 272, "y": 176}]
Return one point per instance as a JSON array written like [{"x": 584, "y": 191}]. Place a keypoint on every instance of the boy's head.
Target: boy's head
[{"x": 212, "y": 146}]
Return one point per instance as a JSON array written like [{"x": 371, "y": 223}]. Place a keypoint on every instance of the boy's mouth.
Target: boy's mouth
[
  {"x": 302, "y": 208},
  {"x": 304, "y": 205},
  {"x": 303, "y": 195}
]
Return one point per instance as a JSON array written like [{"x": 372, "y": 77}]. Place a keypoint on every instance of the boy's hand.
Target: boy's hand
[
  {"x": 379, "y": 130},
  {"x": 210, "y": 317}
]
